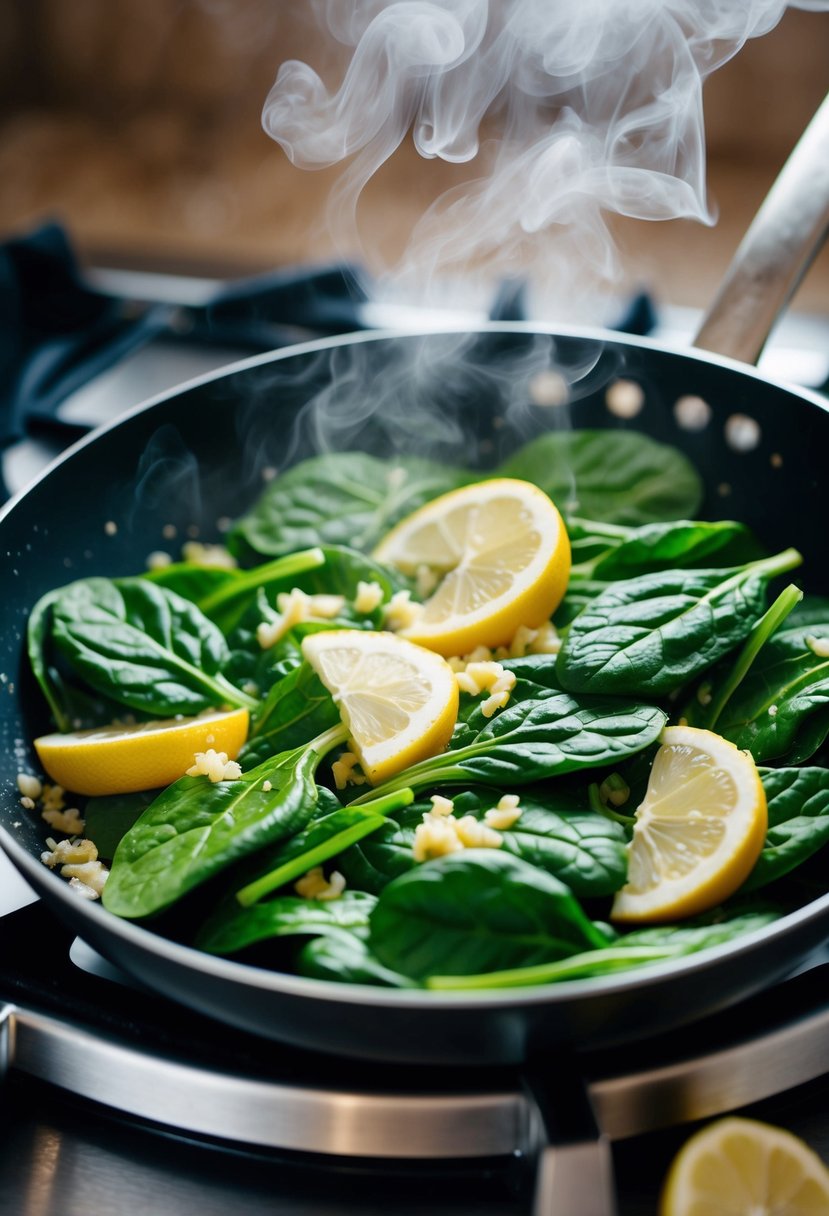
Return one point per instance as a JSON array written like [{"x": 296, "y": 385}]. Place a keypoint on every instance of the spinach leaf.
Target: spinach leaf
[
  {"x": 144, "y": 646},
  {"x": 108, "y": 819},
  {"x": 297, "y": 708},
  {"x": 346, "y": 959},
  {"x": 196, "y": 828},
  {"x": 555, "y": 832},
  {"x": 624, "y": 477},
  {"x": 780, "y": 711},
  {"x": 666, "y": 546},
  {"x": 345, "y": 498},
  {"x": 322, "y": 839},
  {"x": 542, "y": 732},
  {"x": 648, "y": 635},
  {"x": 798, "y": 807},
  {"x": 632, "y": 950},
  {"x": 285, "y": 916},
  {"x": 37, "y": 638},
  {"x": 476, "y": 910}
]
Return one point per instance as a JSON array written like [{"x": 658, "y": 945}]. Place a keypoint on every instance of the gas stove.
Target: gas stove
[
  {"x": 115, "y": 1099},
  {"x": 113, "y": 1091}
]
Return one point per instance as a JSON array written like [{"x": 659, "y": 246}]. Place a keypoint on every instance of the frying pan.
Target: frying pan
[{"x": 196, "y": 454}]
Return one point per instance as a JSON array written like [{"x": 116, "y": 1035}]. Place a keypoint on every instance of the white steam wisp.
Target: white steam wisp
[{"x": 569, "y": 109}]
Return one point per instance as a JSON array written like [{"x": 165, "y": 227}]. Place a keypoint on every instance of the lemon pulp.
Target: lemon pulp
[
  {"x": 698, "y": 831},
  {"x": 398, "y": 700},
  {"x": 501, "y": 553}
]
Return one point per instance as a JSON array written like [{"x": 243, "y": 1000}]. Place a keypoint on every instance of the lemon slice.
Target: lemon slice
[
  {"x": 738, "y": 1166},
  {"x": 502, "y": 554},
  {"x": 398, "y": 700},
  {"x": 698, "y": 832},
  {"x": 143, "y": 756}
]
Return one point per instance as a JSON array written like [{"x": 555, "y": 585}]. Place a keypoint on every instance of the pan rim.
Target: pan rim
[
  {"x": 419, "y": 1000},
  {"x": 592, "y": 334}
]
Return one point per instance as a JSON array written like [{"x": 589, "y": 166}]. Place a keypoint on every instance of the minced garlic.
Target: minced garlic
[
  {"x": 314, "y": 885},
  {"x": 505, "y": 814},
  {"x": 369, "y": 596},
  {"x": 344, "y": 771},
  {"x": 52, "y": 798},
  {"x": 441, "y": 833},
  {"x": 216, "y": 556},
  {"x": 476, "y": 835},
  {"x": 543, "y": 640},
  {"x": 478, "y": 676},
  {"x": 214, "y": 765},
  {"x": 68, "y": 821},
  {"x": 29, "y": 786},
  {"x": 69, "y": 852},
  {"x": 435, "y": 837},
  {"x": 89, "y": 874},
  {"x": 294, "y": 607},
  {"x": 441, "y": 806},
  {"x": 401, "y": 611}
]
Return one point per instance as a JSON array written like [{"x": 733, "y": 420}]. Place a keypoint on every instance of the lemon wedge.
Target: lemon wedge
[
  {"x": 502, "y": 557},
  {"x": 737, "y": 1166},
  {"x": 698, "y": 831},
  {"x": 398, "y": 700},
  {"x": 140, "y": 756}
]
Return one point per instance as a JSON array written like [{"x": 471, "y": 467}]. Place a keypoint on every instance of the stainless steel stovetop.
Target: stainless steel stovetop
[{"x": 115, "y": 1100}]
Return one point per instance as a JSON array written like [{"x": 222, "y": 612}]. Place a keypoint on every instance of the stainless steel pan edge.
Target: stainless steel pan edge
[{"x": 372, "y": 1022}]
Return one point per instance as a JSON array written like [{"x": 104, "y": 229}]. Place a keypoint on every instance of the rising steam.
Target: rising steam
[{"x": 569, "y": 110}]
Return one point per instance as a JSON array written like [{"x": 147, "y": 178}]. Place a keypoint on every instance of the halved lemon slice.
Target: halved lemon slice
[
  {"x": 143, "y": 756},
  {"x": 398, "y": 700},
  {"x": 501, "y": 552},
  {"x": 698, "y": 832},
  {"x": 738, "y": 1166}
]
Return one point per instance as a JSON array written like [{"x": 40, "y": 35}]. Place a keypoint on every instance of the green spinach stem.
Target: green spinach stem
[
  {"x": 760, "y": 634},
  {"x": 374, "y": 817},
  {"x": 282, "y": 567},
  {"x": 234, "y": 695},
  {"x": 578, "y": 966}
]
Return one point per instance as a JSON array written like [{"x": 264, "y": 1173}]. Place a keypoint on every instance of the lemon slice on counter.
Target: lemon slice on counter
[
  {"x": 141, "y": 756},
  {"x": 501, "y": 553},
  {"x": 398, "y": 700},
  {"x": 698, "y": 831},
  {"x": 739, "y": 1166}
]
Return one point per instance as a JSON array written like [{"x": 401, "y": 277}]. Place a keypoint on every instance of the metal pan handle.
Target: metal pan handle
[{"x": 775, "y": 253}]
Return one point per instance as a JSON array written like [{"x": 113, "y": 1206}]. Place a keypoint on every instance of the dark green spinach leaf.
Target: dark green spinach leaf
[
  {"x": 345, "y": 958},
  {"x": 108, "y": 819},
  {"x": 285, "y": 916},
  {"x": 798, "y": 806},
  {"x": 623, "y": 477},
  {"x": 780, "y": 711},
  {"x": 344, "y": 498},
  {"x": 196, "y": 828},
  {"x": 645, "y": 946},
  {"x": 144, "y": 646},
  {"x": 555, "y": 832},
  {"x": 542, "y": 732},
  {"x": 666, "y": 546},
  {"x": 476, "y": 910},
  {"x": 297, "y": 708},
  {"x": 649, "y": 635}
]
